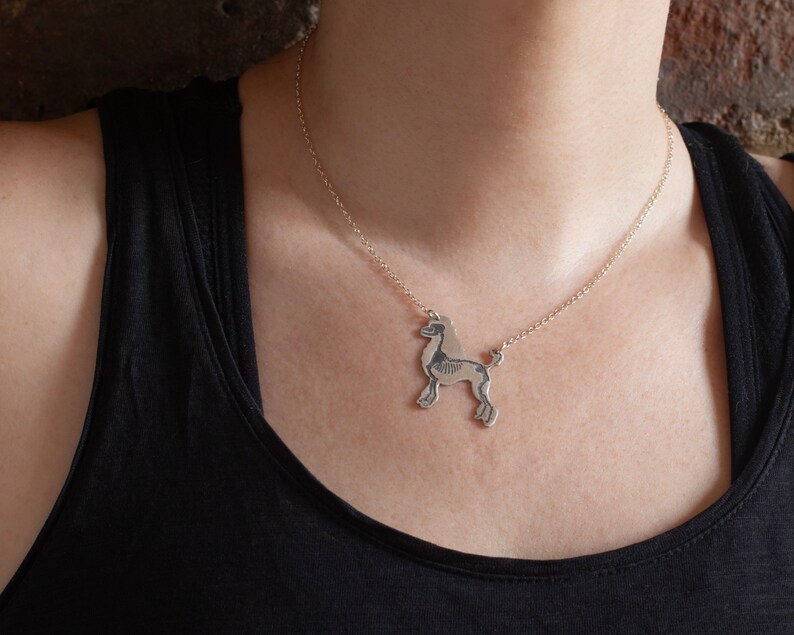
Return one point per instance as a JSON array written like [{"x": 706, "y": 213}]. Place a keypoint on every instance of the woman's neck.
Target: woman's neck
[{"x": 450, "y": 128}]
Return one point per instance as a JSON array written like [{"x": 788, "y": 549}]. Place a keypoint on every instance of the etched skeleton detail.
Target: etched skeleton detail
[{"x": 445, "y": 363}]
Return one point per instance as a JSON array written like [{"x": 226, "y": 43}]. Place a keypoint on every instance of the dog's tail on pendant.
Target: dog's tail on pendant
[{"x": 496, "y": 358}]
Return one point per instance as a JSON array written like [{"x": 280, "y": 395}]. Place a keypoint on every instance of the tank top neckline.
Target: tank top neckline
[{"x": 667, "y": 544}]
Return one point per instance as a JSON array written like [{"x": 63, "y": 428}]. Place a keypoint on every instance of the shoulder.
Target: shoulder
[
  {"x": 46, "y": 141},
  {"x": 52, "y": 252},
  {"x": 51, "y": 212},
  {"x": 781, "y": 172},
  {"x": 50, "y": 175}
]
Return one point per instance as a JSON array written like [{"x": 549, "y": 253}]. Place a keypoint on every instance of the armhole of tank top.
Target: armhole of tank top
[{"x": 111, "y": 210}]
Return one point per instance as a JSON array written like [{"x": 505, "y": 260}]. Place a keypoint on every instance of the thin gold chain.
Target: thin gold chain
[{"x": 430, "y": 312}]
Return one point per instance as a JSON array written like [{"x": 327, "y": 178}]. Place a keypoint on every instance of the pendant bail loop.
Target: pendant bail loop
[{"x": 434, "y": 315}]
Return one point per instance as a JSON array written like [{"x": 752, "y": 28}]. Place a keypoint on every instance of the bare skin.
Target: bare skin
[{"x": 613, "y": 423}]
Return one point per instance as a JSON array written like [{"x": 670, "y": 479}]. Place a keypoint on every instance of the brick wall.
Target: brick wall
[{"x": 730, "y": 61}]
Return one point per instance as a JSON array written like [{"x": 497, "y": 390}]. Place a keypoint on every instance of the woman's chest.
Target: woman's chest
[{"x": 609, "y": 431}]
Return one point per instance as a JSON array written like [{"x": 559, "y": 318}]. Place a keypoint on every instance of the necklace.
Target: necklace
[{"x": 443, "y": 358}]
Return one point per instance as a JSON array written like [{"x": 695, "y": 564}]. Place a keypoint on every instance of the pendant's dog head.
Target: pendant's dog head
[
  {"x": 443, "y": 337},
  {"x": 431, "y": 330}
]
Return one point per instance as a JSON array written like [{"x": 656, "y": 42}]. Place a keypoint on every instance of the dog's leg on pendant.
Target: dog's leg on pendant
[
  {"x": 429, "y": 394},
  {"x": 485, "y": 411}
]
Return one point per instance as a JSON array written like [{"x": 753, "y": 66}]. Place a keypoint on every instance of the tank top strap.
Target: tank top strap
[
  {"x": 751, "y": 227},
  {"x": 175, "y": 173},
  {"x": 207, "y": 122}
]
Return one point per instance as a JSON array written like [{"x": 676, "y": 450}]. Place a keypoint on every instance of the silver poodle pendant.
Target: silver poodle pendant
[{"x": 444, "y": 362}]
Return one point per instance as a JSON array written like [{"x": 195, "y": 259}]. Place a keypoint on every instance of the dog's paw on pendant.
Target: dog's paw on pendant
[{"x": 445, "y": 363}]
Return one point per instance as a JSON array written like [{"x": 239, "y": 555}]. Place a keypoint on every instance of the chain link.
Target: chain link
[{"x": 430, "y": 312}]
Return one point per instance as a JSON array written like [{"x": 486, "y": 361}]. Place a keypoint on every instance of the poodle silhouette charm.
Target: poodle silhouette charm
[{"x": 445, "y": 363}]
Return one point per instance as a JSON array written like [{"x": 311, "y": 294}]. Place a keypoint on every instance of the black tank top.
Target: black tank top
[{"x": 183, "y": 510}]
